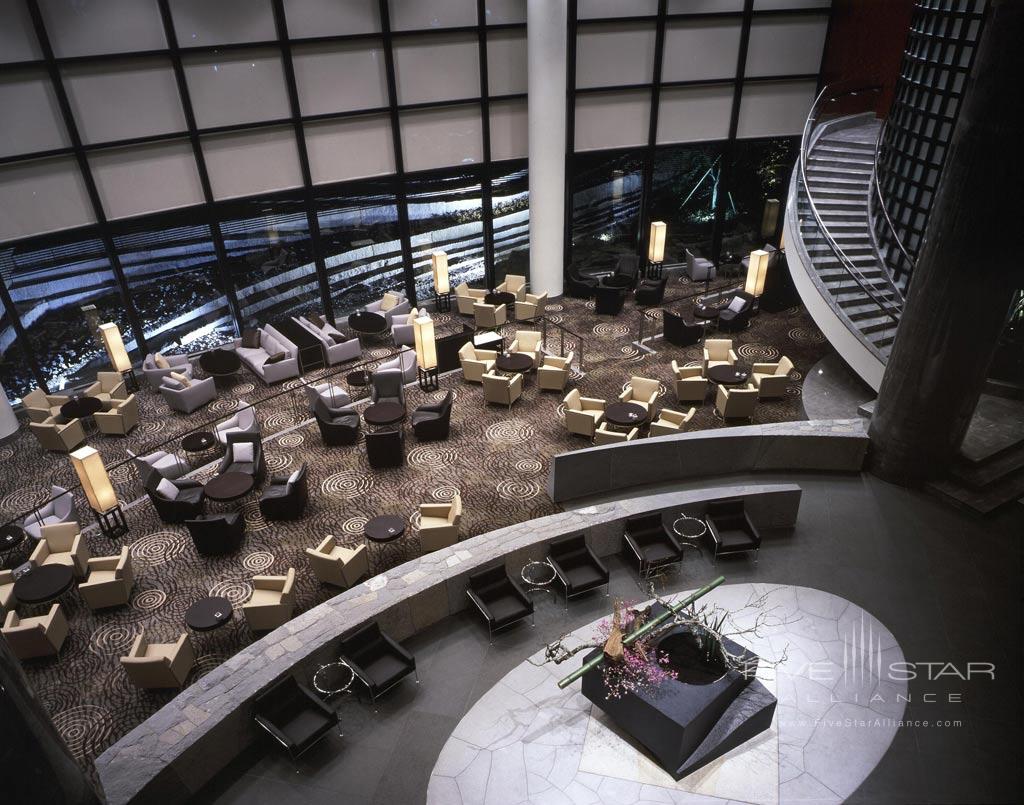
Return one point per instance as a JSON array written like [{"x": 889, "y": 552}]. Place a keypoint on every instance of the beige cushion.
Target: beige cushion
[
  {"x": 388, "y": 301},
  {"x": 185, "y": 382},
  {"x": 160, "y": 361}
]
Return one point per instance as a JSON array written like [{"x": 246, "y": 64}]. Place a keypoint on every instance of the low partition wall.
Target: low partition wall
[
  {"x": 173, "y": 754},
  {"x": 836, "y": 445}
]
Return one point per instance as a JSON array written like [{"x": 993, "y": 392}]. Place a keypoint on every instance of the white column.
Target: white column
[
  {"x": 8, "y": 421},
  {"x": 546, "y": 55}
]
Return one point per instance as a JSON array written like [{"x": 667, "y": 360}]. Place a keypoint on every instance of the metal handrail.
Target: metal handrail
[
  {"x": 545, "y": 321},
  {"x": 844, "y": 260},
  {"x": 881, "y": 199}
]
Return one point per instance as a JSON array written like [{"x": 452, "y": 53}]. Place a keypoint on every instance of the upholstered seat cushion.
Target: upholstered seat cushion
[
  {"x": 384, "y": 668},
  {"x": 298, "y": 725},
  {"x": 658, "y": 552},
  {"x": 433, "y": 522},
  {"x": 275, "y": 491},
  {"x": 732, "y": 538},
  {"x": 100, "y": 576},
  {"x": 60, "y": 559},
  {"x": 264, "y": 597},
  {"x": 505, "y": 607},
  {"x": 252, "y": 355}
]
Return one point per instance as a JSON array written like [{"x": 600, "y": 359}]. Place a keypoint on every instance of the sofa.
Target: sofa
[
  {"x": 335, "y": 564},
  {"x": 699, "y": 269},
  {"x": 217, "y": 534},
  {"x": 119, "y": 416},
  {"x": 402, "y": 328},
  {"x": 337, "y": 346},
  {"x": 109, "y": 386},
  {"x": 475, "y": 362},
  {"x": 155, "y": 371},
  {"x": 286, "y": 496},
  {"x": 405, "y": 362},
  {"x": 159, "y": 665},
  {"x": 175, "y": 501},
  {"x": 270, "y": 342},
  {"x": 244, "y": 453},
  {"x": 272, "y": 601},
  {"x": 40, "y": 636},
  {"x": 62, "y": 544},
  {"x": 109, "y": 583},
  {"x": 337, "y": 425},
  {"x": 242, "y": 421},
  {"x": 433, "y": 420}
]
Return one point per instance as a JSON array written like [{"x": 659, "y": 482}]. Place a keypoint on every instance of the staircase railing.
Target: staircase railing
[
  {"x": 892, "y": 311},
  {"x": 876, "y": 197}
]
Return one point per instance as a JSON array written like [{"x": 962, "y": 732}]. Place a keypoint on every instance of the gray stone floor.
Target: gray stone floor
[
  {"x": 946, "y": 584},
  {"x": 832, "y": 391}
]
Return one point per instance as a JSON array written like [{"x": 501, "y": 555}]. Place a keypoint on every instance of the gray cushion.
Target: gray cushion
[{"x": 251, "y": 339}]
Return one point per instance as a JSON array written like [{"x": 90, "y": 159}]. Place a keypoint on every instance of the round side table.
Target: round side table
[
  {"x": 539, "y": 576},
  {"x": 690, "y": 530}
]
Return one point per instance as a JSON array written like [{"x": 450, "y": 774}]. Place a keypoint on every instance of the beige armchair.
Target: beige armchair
[
  {"x": 337, "y": 565},
  {"x": 583, "y": 414},
  {"x": 466, "y": 297},
  {"x": 272, "y": 601},
  {"x": 159, "y": 665},
  {"x": 738, "y": 402},
  {"x": 6, "y": 589},
  {"x": 529, "y": 342},
  {"x": 62, "y": 544},
  {"x": 489, "y": 316},
  {"x": 771, "y": 379},
  {"x": 554, "y": 372},
  {"x": 41, "y": 636},
  {"x": 120, "y": 417},
  {"x": 110, "y": 581},
  {"x": 514, "y": 283},
  {"x": 641, "y": 390},
  {"x": 475, "y": 362},
  {"x": 108, "y": 386},
  {"x": 670, "y": 421},
  {"x": 718, "y": 351},
  {"x": 690, "y": 383},
  {"x": 501, "y": 389},
  {"x": 40, "y": 406},
  {"x": 605, "y": 435},
  {"x": 439, "y": 524},
  {"x": 61, "y": 437},
  {"x": 531, "y": 306}
]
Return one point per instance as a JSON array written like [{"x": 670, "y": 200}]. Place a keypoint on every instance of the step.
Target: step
[
  {"x": 876, "y": 325},
  {"x": 838, "y": 272},
  {"x": 828, "y": 159},
  {"x": 850, "y": 146},
  {"x": 983, "y": 501},
  {"x": 978, "y": 476},
  {"x": 825, "y": 172},
  {"x": 834, "y": 182},
  {"x": 847, "y": 227},
  {"x": 819, "y": 246}
]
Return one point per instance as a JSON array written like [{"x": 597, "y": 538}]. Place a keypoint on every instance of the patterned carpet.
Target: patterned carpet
[{"x": 497, "y": 459}]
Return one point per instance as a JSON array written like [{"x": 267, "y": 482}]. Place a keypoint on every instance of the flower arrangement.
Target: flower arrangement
[{"x": 638, "y": 668}]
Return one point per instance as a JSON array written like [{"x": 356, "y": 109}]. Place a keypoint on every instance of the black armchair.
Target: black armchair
[
  {"x": 730, "y": 530},
  {"x": 651, "y": 292},
  {"x": 578, "y": 568},
  {"x": 627, "y": 266},
  {"x": 608, "y": 301},
  {"x": 337, "y": 425},
  {"x": 653, "y": 545},
  {"x": 679, "y": 331},
  {"x": 385, "y": 448},
  {"x": 245, "y": 454},
  {"x": 499, "y": 598},
  {"x": 182, "y": 503},
  {"x": 286, "y": 496},
  {"x": 578, "y": 286},
  {"x": 215, "y": 534},
  {"x": 294, "y": 716},
  {"x": 736, "y": 315},
  {"x": 433, "y": 421},
  {"x": 378, "y": 662}
]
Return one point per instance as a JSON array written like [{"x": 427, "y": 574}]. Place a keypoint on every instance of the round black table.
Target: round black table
[
  {"x": 619, "y": 281},
  {"x": 208, "y": 614},
  {"x": 220, "y": 362},
  {"x": 11, "y": 536},
  {"x": 384, "y": 413},
  {"x": 359, "y": 378},
  {"x": 538, "y": 577},
  {"x": 199, "y": 442},
  {"x": 385, "y": 528},
  {"x": 625, "y": 414},
  {"x": 500, "y": 298},
  {"x": 706, "y": 312},
  {"x": 726, "y": 374},
  {"x": 514, "y": 362},
  {"x": 229, "y": 486},
  {"x": 42, "y": 584},
  {"x": 333, "y": 678},
  {"x": 81, "y": 407},
  {"x": 364, "y": 322}
]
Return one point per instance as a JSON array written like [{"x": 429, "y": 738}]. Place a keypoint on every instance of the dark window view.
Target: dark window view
[
  {"x": 362, "y": 249},
  {"x": 606, "y": 191},
  {"x": 760, "y": 171},
  {"x": 50, "y": 282},
  {"x": 173, "y": 279},
  {"x": 270, "y": 258},
  {"x": 684, "y": 192},
  {"x": 445, "y": 213},
  {"x": 510, "y": 206},
  {"x": 15, "y": 375}
]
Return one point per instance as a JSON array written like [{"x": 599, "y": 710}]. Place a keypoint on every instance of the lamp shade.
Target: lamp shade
[
  {"x": 115, "y": 347},
  {"x": 756, "y": 272},
  {"x": 770, "y": 218},
  {"x": 439, "y": 266},
  {"x": 95, "y": 481},
  {"x": 426, "y": 349},
  {"x": 656, "y": 245}
]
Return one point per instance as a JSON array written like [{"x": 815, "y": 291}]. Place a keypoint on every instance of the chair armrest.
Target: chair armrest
[
  {"x": 752, "y": 529},
  {"x": 316, "y": 700},
  {"x": 626, "y": 394},
  {"x": 592, "y": 404},
  {"x": 672, "y": 538},
  {"x": 633, "y": 546},
  {"x": 269, "y": 727},
  {"x": 486, "y": 355},
  {"x": 400, "y": 650},
  {"x": 104, "y": 562},
  {"x": 479, "y": 605},
  {"x": 435, "y": 509},
  {"x": 733, "y": 357},
  {"x": 597, "y": 560},
  {"x": 268, "y": 582},
  {"x": 562, "y": 575},
  {"x": 357, "y": 669},
  {"x": 764, "y": 368}
]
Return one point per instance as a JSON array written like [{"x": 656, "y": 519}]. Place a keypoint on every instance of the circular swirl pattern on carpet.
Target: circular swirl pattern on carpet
[
  {"x": 609, "y": 328},
  {"x": 293, "y": 439},
  {"x": 86, "y": 729},
  {"x": 509, "y": 431},
  {"x": 431, "y": 456},
  {"x": 158, "y": 548},
  {"x": 237, "y": 591},
  {"x": 806, "y": 335},
  {"x": 758, "y": 352},
  {"x": 518, "y": 489},
  {"x": 148, "y": 601},
  {"x": 253, "y": 517},
  {"x": 346, "y": 485},
  {"x": 258, "y": 561},
  {"x": 223, "y": 405},
  {"x": 278, "y": 461},
  {"x": 444, "y": 493},
  {"x": 113, "y": 639},
  {"x": 355, "y": 526},
  {"x": 529, "y": 466}
]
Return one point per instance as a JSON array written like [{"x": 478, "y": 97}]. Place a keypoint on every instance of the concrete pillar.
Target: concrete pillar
[
  {"x": 966, "y": 272},
  {"x": 546, "y": 55}
]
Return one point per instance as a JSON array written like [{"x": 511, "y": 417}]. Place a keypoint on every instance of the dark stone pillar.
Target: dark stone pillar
[
  {"x": 968, "y": 268},
  {"x": 37, "y": 766}
]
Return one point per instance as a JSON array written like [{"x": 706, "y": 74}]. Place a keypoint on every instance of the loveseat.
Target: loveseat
[{"x": 270, "y": 342}]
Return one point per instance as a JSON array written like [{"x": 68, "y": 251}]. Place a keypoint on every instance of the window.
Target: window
[
  {"x": 605, "y": 209},
  {"x": 510, "y": 206},
  {"x": 684, "y": 190},
  {"x": 760, "y": 170}
]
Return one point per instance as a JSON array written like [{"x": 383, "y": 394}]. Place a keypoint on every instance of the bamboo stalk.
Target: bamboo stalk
[{"x": 643, "y": 630}]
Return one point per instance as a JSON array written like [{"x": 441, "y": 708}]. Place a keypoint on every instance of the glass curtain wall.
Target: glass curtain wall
[
  {"x": 606, "y": 194},
  {"x": 760, "y": 171},
  {"x": 684, "y": 194},
  {"x": 510, "y": 210}
]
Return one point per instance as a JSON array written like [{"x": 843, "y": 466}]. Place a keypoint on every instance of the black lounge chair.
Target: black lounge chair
[
  {"x": 295, "y": 717},
  {"x": 284, "y": 498},
  {"x": 433, "y": 421},
  {"x": 337, "y": 425},
  {"x": 499, "y": 598},
  {"x": 254, "y": 464},
  {"x": 679, "y": 331},
  {"x": 186, "y": 502},
  {"x": 736, "y": 315},
  {"x": 378, "y": 662},
  {"x": 577, "y": 567},
  {"x": 730, "y": 530},
  {"x": 217, "y": 534},
  {"x": 654, "y": 546}
]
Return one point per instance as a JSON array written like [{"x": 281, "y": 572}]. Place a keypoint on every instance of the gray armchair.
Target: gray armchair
[
  {"x": 155, "y": 373},
  {"x": 699, "y": 269},
  {"x": 167, "y": 465},
  {"x": 243, "y": 421},
  {"x": 60, "y": 508},
  {"x": 392, "y": 304},
  {"x": 187, "y": 399},
  {"x": 405, "y": 363},
  {"x": 244, "y": 454},
  {"x": 334, "y": 396},
  {"x": 388, "y": 386},
  {"x": 402, "y": 327}
]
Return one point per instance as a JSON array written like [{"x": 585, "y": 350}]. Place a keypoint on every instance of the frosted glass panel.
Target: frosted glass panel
[
  {"x": 700, "y": 50},
  {"x": 88, "y": 27},
  {"x": 340, "y": 77},
  {"x": 437, "y": 68},
  {"x": 691, "y": 114},
  {"x": 500, "y": 12},
  {"x": 607, "y": 55},
  {"x": 612, "y": 119},
  {"x": 506, "y": 62},
  {"x": 124, "y": 99},
  {"x": 202, "y": 22},
  {"x": 141, "y": 179},
  {"x": 37, "y": 124},
  {"x": 786, "y": 45},
  {"x": 590, "y": 9},
  {"x": 42, "y": 196},
  {"x": 773, "y": 108},
  {"x": 509, "y": 130},
  {"x": 248, "y": 163},
  {"x": 237, "y": 88},
  {"x": 331, "y": 17},
  {"x": 437, "y": 138},
  {"x": 703, "y": 6},
  {"x": 350, "y": 149},
  {"x": 17, "y": 37},
  {"x": 415, "y": 14}
]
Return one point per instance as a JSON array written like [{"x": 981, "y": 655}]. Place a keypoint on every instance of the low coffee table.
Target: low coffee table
[
  {"x": 500, "y": 298},
  {"x": 384, "y": 413},
  {"x": 43, "y": 584},
  {"x": 513, "y": 362},
  {"x": 81, "y": 407},
  {"x": 538, "y": 577},
  {"x": 706, "y": 312},
  {"x": 727, "y": 374},
  {"x": 333, "y": 678},
  {"x": 359, "y": 378},
  {"x": 199, "y": 442},
  {"x": 625, "y": 414},
  {"x": 208, "y": 614},
  {"x": 364, "y": 322},
  {"x": 385, "y": 528},
  {"x": 220, "y": 362},
  {"x": 11, "y": 536},
  {"x": 229, "y": 486}
]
